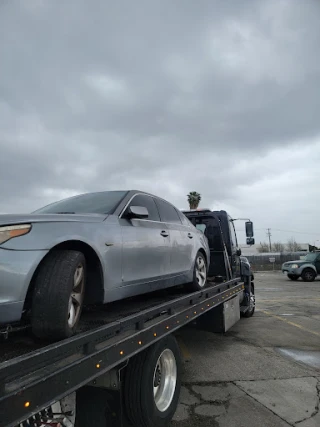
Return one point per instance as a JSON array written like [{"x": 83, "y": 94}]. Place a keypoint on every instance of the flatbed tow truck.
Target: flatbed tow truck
[{"x": 123, "y": 368}]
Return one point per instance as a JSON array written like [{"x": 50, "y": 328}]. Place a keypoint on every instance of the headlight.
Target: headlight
[
  {"x": 294, "y": 266},
  {"x": 11, "y": 231}
]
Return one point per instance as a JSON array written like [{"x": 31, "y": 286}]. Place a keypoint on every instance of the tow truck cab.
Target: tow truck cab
[{"x": 219, "y": 229}]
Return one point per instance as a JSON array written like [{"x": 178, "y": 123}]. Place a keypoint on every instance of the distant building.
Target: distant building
[{"x": 253, "y": 250}]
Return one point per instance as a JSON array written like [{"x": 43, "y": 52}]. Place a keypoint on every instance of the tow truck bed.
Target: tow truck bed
[{"x": 35, "y": 380}]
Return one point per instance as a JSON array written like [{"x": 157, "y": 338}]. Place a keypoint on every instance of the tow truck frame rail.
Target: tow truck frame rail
[{"x": 33, "y": 382}]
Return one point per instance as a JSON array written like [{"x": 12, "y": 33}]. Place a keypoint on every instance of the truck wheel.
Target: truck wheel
[
  {"x": 58, "y": 295},
  {"x": 293, "y": 277},
  {"x": 152, "y": 384},
  {"x": 199, "y": 274},
  {"x": 252, "y": 304},
  {"x": 308, "y": 275}
]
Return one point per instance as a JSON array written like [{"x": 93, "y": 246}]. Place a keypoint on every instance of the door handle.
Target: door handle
[
  {"x": 164, "y": 233},
  {"x": 190, "y": 235}
]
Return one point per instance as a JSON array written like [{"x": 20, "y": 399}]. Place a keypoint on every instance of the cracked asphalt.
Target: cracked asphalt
[{"x": 265, "y": 371}]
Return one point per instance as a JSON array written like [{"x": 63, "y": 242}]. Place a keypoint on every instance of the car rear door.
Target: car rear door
[
  {"x": 146, "y": 244},
  {"x": 182, "y": 238}
]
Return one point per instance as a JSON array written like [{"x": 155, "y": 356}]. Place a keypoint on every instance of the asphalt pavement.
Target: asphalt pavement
[{"x": 265, "y": 371}]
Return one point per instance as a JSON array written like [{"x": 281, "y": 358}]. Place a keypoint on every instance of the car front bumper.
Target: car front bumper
[
  {"x": 16, "y": 271},
  {"x": 292, "y": 271}
]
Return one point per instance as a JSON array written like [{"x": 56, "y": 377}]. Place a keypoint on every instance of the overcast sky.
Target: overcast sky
[{"x": 219, "y": 97}]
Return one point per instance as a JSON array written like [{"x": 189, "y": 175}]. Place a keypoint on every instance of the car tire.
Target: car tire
[
  {"x": 58, "y": 295},
  {"x": 152, "y": 384},
  {"x": 308, "y": 275},
  {"x": 293, "y": 277},
  {"x": 199, "y": 274}
]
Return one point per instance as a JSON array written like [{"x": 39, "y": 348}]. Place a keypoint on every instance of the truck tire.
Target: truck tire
[
  {"x": 58, "y": 295},
  {"x": 308, "y": 275},
  {"x": 293, "y": 277},
  {"x": 152, "y": 384},
  {"x": 252, "y": 306},
  {"x": 199, "y": 274}
]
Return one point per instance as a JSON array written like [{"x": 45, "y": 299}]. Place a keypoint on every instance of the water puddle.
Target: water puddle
[{"x": 308, "y": 357}]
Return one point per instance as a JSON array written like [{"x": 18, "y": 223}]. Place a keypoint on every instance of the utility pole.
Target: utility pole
[{"x": 269, "y": 236}]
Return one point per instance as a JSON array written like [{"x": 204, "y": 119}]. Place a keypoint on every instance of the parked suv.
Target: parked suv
[{"x": 307, "y": 268}]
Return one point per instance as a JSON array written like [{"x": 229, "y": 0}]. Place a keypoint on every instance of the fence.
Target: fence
[{"x": 262, "y": 262}]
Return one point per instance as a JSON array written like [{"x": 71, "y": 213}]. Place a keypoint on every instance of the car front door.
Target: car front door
[
  {"x": 146, "y": 244},
  {"x": 181, "y": 237}
]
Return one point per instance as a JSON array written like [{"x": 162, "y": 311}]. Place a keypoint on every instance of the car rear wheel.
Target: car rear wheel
[
  {"x": 58, "y": 295},
  {"x": 308, "y": 275},
  {"x": 293, "y": 277},
  {"x": 199, "y": 273}
]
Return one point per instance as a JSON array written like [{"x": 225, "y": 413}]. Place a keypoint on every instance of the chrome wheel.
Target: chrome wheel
[
  {"x": 252, "y": 302},
  {"x": 76, "y": 297},
  {"x": 201, "y": 271},
  {"x": 164, "y": 380}
]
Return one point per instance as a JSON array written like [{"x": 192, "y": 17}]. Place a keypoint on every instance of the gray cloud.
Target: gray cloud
[{"x": 164, "y": 96}]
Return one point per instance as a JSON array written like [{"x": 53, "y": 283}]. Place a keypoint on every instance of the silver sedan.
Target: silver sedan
[{"x": 93, "y": 248}]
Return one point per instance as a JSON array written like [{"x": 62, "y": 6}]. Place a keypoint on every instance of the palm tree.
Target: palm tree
[{"x": 194, "y": 199}]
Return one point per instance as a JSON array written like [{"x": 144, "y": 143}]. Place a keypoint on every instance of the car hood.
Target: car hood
[
  {"x": 299, "y": 262},
  {"x": 11, "y": 219}
]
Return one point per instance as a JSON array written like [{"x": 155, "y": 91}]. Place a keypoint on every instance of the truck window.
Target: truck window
[{"x": 201, "y": 227}]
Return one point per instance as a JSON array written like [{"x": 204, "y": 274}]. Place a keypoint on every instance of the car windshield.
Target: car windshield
[
  {"x": 311, "y": 257},
  {"x": 95, "y": 203}
]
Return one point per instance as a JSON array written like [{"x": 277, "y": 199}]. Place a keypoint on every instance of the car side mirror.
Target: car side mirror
[
  {"x": 238, "y": 253},
  {"x": 139, "y": 212},
  {"x": 249, "y": 229},
  {"x": 250, "y": 241}
]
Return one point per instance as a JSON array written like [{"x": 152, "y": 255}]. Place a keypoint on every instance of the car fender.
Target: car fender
[
  {"x": 304, "y": 266},
  {"x": 105, "y": 239},
  {"x": 204, "y": 246}
]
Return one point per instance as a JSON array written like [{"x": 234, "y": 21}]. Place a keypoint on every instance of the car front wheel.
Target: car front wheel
[
  {"x": 58, "y": 295},
  {"x": 308, "y": 275}
]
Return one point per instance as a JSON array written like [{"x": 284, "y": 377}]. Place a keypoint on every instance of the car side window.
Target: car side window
[
  {"x": 146, "y": 202},
  {"x": 167, "y": 212},
  {"x": 185, "y": 221}
]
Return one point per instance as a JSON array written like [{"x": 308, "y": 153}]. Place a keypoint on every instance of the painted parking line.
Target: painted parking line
[
  {"x": 296, "y": 325},
  {"x": 289, "y": 299}
]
